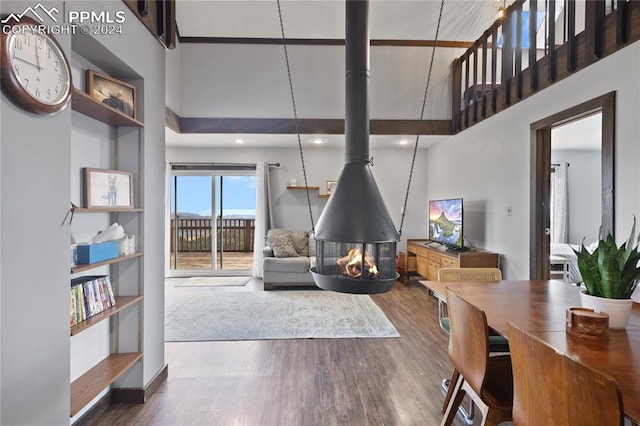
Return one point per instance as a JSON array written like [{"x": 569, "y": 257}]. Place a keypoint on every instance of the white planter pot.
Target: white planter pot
[{"x": 618, "y": 310}]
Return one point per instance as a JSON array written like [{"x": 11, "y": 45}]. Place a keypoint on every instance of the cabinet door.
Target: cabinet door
[
  {"x": 421, "y": 267},
  {"x": 448, "y": 262},
  {"x": 432, "y": 270}
]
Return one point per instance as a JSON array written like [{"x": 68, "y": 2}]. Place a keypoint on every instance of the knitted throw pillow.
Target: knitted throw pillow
[{"x": 282, "y": 246}]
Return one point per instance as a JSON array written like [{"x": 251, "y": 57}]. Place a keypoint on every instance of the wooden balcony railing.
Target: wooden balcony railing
[
  {"x": 525, "y": 52},
  {"x": 194, "y": 234}
]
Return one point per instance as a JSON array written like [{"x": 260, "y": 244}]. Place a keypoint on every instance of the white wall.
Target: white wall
[
  {"x": 391, "y": 171},
  {"x": 488, "y": 164},
  {"x": 173, "y": 76},
  {"x": 236, "y": 80},
  {"x": 35, "y": 174},
  {"x": 35, "y": 261}
]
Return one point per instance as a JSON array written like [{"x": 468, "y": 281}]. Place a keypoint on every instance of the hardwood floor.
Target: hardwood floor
[
  {"x": 195, "y": 260},
  {"x": 394, "y": 381}
]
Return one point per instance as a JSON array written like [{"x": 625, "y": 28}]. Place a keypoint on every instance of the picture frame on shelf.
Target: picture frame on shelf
[
  {"x": 331, "y": 186},
  {"x": 112, "y": 92},
  {"x": 107, "y": 189}
]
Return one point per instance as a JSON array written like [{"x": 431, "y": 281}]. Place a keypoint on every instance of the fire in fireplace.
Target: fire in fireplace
[
  {"x": 351, "y": 265},
  {"x": 343, "y": 267}
]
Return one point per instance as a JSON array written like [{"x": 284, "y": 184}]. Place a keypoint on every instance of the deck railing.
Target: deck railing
[
  {"x": 194, "y": 234},
  {"x": 525, "y": 52}
]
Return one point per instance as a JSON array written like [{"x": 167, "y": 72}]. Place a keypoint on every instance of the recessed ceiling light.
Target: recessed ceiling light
[
  {"x": 239, "y": 141},
  {"x": 403, "y": 142},
  {"x": 318, "y": 141}
]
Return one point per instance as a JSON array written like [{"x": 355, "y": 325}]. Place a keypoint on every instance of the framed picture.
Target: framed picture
[
  {"x": 117, "y": 94},
  {"x": 331, "y": 186},
  {"x": 107, "y": 189}
]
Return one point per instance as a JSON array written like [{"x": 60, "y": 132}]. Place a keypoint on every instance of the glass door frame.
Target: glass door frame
[
  {"x": 214, "y": 174},
  {"x": 214, "y": 243}
]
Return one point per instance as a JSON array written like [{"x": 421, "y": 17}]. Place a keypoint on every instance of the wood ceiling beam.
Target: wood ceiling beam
[
  {"x": 306, "y": 126},
  {"x": 321, "y": 41}
]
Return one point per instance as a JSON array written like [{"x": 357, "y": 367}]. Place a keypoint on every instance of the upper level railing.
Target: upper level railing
[{"x": 534, "y": 45}]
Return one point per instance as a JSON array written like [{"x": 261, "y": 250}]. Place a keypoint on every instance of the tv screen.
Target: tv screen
[{"x": 445, "y": 221}]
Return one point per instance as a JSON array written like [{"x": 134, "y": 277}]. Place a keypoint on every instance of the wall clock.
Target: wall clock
[{"x": 35, "y": 70}]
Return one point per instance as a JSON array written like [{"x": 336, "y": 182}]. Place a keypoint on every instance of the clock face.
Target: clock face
[
  {"x": 34, "y": 68},
  {"x": 39, "y": 67}
]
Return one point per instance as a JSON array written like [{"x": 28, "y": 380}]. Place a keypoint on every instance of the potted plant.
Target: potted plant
[{"x": 610, "y": 275}]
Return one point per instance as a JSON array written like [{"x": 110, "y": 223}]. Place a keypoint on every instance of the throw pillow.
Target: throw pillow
[
  {"x": 299, "y": 239},
  {"x": 282, "y": 246}
]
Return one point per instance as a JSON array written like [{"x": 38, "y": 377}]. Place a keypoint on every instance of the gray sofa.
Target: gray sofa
[{"x": 287, "y": 258}]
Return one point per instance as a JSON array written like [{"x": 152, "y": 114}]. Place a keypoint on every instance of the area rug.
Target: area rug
[
  {"x": 260, "y": 315},
  {"x": 213, "y": 281}
]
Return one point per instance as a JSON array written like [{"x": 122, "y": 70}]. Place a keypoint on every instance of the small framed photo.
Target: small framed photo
[
  {"x": 331, "y": 186},
  {"x": 107, "y": 189},
  {"x": 112, "y": 92}
]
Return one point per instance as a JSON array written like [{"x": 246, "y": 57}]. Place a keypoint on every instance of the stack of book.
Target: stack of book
[{"x": 90, "y": 295}]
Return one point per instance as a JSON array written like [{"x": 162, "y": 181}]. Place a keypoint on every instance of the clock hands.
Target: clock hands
[
  {"x": 27, "y": 62},
  {"x": 37, "y": 55}
]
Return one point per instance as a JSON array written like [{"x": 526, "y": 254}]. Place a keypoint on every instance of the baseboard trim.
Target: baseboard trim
[
  {"x": 139, "y": 395},
  {"x": 94, "y": 413}
]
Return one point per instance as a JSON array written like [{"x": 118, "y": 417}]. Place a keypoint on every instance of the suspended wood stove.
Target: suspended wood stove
[{"x": 355, "y": 236}]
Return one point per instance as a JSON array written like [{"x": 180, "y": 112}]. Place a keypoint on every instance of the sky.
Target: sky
[{"x": 194, "y": 195}]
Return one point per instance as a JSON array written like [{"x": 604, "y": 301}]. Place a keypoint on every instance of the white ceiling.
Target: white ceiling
[{"x": 462, "y": 20}]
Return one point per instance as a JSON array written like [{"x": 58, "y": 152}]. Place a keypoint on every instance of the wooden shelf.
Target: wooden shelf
[
  {"x": 102, "y": 375},
  {"x": 311, "y": 188},
  {"x": 122, "y": 302},
  {"x": 105, "y": 209},
  {"x": 82, "y": 268},
  {"x": 85, "y": 104},
  {"x": 324, "y": 195}
]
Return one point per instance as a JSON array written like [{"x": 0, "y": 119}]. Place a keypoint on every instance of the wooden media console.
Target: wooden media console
[{"x": 431, "y": 256}]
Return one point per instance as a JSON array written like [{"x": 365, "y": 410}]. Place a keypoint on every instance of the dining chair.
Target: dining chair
[
  {"x": 551, "y": 388},
  {"x": 497, "y": 343},
  {"x": 487, "y": 380}
]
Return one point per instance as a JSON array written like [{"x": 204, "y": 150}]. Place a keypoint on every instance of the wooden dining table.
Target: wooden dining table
[{"x": 539, "y": 307}]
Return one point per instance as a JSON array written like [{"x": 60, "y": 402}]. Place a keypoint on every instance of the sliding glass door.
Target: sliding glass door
[{"x": 212, "y": 221}]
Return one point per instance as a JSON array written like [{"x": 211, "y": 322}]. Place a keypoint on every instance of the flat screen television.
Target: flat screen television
[{"x": 445, "y": 222}]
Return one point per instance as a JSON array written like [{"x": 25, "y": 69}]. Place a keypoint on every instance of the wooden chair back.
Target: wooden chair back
[
  {"x": 468, "y": 340},
  {"x": 551, "y": 388},
  {"x": 469, "y": 274}
]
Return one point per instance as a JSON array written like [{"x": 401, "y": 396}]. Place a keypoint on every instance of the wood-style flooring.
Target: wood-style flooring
[
  {"x": 394, "y": 381},
  {"x": 197, "y": 260}
]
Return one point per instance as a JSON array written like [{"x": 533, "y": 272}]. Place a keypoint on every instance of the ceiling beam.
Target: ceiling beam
[
  {"x": 321, "y": 41},
  {"x": 322, "y": 126}
]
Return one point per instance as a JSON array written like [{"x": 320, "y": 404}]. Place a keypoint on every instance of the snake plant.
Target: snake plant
[{"x": 609, "y": 271}]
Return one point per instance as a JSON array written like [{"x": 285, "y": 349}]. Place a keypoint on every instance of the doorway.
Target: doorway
[
  {"x": 541, "y": 169},
  {"x": 212, "y": 216}
]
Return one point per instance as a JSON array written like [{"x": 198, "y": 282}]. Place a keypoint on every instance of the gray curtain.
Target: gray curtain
[{"x": 264, "y": 215}]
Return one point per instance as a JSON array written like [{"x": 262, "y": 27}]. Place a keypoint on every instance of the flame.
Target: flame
[{"x": 351, "y": 264}]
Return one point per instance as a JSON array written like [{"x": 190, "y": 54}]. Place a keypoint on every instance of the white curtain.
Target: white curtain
[
  {"x": 560, "y": 204},
  {"x": 263, "y": 215}
]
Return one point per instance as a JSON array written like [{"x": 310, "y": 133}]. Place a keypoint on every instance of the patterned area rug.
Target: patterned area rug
[
  {"x": 213, "y": 281},
  {"x": 261, "y": 315}
]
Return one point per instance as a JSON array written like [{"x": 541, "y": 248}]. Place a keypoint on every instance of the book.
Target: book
[
  {"x": 89, "y": 296},
  {"x": 73, "y": 310},
  {"x": 110, "y": 290}
]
